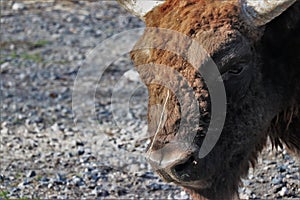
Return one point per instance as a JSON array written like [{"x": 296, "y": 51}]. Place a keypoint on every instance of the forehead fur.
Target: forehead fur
[
  {"x": 201, "y": 19},
  {"x": 202, "y": 12}
]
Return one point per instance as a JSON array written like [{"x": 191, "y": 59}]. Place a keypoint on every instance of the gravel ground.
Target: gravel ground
[{"x": 44, "y": 155}]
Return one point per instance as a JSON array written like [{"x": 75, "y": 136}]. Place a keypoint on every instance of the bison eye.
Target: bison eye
[
  {"x": 237, "y": 77},
  {"x": 236, "y": 69}
]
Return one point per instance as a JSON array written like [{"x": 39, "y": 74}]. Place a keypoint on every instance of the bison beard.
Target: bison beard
[{"x": 260, "y": 66}]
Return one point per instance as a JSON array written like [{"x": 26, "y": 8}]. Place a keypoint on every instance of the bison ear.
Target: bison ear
[
  {"x": 140, "y": 7},
  {"x": 260, "y": 12}
]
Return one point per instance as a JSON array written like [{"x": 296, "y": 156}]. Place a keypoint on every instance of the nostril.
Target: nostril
[
  {"x": 184, "y": 170},
  {"x": 185, "y": 165}
]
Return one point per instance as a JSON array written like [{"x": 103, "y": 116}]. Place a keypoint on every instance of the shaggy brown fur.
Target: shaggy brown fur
[{"x": 263, "y": 101}]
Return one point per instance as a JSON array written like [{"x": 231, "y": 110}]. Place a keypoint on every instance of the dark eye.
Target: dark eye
[
  {"x": 237, "y": 78},
  {"x": 237, "y": 69},
  {"x": 234, "y": 69}
]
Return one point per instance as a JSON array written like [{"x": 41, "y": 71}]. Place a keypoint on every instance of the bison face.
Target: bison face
[
  {"x": 234, "y": 45},
  {"x": 232, "y": 49}
]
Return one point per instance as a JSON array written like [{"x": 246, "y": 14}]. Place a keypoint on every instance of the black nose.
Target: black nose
[
  {"x": 184, "y": 171},
  {"x": 174, "y": 162}
]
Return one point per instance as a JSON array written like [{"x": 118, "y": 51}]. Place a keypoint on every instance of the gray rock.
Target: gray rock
[
  {"x": 4, "y": 130},
  {"x": 18, "y": 6},
  {"x": 31, "y": 174},
  {"x": 132, "y": 76},
  {"x": 282, "y": 168},
  {"x": 78, "y": 181},
  {"x": 15, "y": 189},
  {"x": 99, "y": 192},
  {"x": 80, "y": 151},
  {"x": 181, "y": 195},
  {"x": 60, "y": 179},
  {"x": 243, "y": 196},
  {"x": 276, "y": 180},
  {"x": 154, "y": 186},
  {"x": 283, "y": 191},
  {"x": 24, "y": 183},
  {"x": 246, "y": 182},
  {"x": 248, "y": 191},
  {"x": 4, "y": 67}
]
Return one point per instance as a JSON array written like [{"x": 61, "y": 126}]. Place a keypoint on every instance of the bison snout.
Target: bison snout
[
  {"x": 172, "y": 160},
  {"x": 184, "y": 170}
]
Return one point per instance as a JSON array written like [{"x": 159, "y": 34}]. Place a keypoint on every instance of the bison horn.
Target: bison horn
[
  {"x": 140, "y": 7},
  {"x": 260, "y": 12}
]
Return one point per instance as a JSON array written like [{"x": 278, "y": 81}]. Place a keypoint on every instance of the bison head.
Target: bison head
[{"x": 255, "y": 46}]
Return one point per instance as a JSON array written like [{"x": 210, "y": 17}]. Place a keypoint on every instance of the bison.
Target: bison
[{"x": 256, "y": 46}]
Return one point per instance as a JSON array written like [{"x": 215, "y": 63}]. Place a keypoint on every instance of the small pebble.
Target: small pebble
[
  {"x": 283, "y": 191},
  {"x": 276, "y": 181},
  {"x": 31, "y": 174},
  {"x": 80, "y": 151},
  {"x": 18, "y": 6}
]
